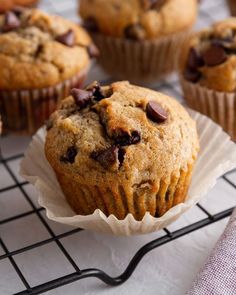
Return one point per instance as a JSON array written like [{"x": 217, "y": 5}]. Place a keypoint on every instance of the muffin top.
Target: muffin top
[
  {"x": 120, "y": 133},
  {"x": 138, "y": 19},
  {"x": 38, "y": 50},
  {"x": 209, "y": 57},
  {"x": 9, "y": 4}
]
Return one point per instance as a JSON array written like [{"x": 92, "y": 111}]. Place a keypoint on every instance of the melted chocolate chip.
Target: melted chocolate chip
[
  {"x": 127, "y": 139},
  {"x": 67, "y": 38},
  {"x": 90, "y": 24},
  {"x": 96, "y": 89},
  {"x": 152, "y": 4},
  {"x": 93, "y": 51},
  {"x": 70, "y": 155},
  {"x": 107, "y": 157},
  {"x": 134, "y": 32},
  {"x": 214, "y": 55},
  {"x": 11, "y": 23},
  {"x": 18, "y": 10},
  {"x": 195, "y": 60},
  {"x": 121, "y": 156},
  {"x": 155, "y": 112},
  {"x": 81, "y": 97},
  {"x": 192, "y": 75}
]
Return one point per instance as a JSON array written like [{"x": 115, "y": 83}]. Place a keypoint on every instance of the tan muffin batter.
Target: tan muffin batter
[
  {"x": 38, "y": 50},
  {"x": 122, "y": 149},
  {"x": 209, "y": 58},
  {"x": 138, "y": 19}
]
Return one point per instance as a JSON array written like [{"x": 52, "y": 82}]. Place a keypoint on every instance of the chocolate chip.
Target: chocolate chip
[
  {"x": 107, "y": 157},
  {"x": 96, "y": 89},
  {"x": 11, "y": 23},
  {"x": 152, "y": 4},
  {"x": 18, "y": 10},
  {"x": 128, "y": 139},
  {"x": 155, "y": 112},
  {"x": 214, "y": 55},
  {"x": 81, "y": 97},
  {"x": 195, "y": 60},
  {"x": 134, "y": 32},
  {"x": 121, "y": 156},
  {"x": 67, "y": 38},
  {"x": 192, "y": 75},
  {"x": 93, "y": 51},
  {"x": 90, "y": 24},
  {"x": 70, "y": 155}
]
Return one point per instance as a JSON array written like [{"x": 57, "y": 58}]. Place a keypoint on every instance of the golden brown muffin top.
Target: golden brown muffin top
[
  {"x": 138, "y": 19},
  {"x": 39, "y": 50},
  {"x": 209, "y": 57},
  {"x": 120, "y": 133}
]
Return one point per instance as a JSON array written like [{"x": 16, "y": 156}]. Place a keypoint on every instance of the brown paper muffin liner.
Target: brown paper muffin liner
[
  {"x": 120, "y": 200},
  {"x": 24, "y": 111},
  {"x": 232, "y": 6},
  {"x": 139, "y": 61},
  {"x": 219, "y": 106}
]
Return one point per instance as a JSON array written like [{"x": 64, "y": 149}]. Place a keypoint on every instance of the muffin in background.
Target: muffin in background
[
  {"x": 232, "y": 7},
  {"x": 6, "y": 5},
  {"x": 41, "y": 58},
  {"x": 207, "y": 69},
  {"x": 122, "y": 149},
  {"x": 139, "y": 40}
]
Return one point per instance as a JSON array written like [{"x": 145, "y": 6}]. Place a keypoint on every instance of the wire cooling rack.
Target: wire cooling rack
[{"x": 208, "y": 13}]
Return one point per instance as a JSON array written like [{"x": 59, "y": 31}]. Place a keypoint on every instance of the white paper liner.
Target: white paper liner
[{"x": 217, "y": 156}]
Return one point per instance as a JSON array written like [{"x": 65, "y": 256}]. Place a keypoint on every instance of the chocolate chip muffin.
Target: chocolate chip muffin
[
  {"x": 232, "y": 6},
  {"x": 208, "y": 73},
  {"x": 122, "y": 149},
  {"x": 142, "y": 38},
  {"x": 6, "y": 5},
  {"x": 41, "y": 58}
]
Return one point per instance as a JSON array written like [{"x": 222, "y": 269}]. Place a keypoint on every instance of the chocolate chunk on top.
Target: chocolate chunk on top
[
  {"x": 68, "y": 38},
  {"x": 214, "y": 55},
  {"x": 155, "y": 112},
  {"x": 134, "y": 32},
  {"x": 128, "y": 139},
  {"x": 195, "y": 60},
  {"x": 70, "y": 155},
  {"x": 107, "y": 157},
  {"x": 192, "y": 75},
  {"x": 96, "y": 90},
  {"x": 11, "y": 22},
  {"x": 81, "y": 97}
]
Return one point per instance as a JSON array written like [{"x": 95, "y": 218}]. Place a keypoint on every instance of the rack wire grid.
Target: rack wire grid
[{"x": 12, "y": 187}]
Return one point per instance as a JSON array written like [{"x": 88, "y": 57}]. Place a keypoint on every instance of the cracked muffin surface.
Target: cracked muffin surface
[
  {"x": 38, "y": 50},
  {"x": 138, "y": 19},
  {"x": 122, "y": 149},
  {"x": 209, "y": 57}
]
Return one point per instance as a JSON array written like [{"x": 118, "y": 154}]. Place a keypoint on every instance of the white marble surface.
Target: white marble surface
[{"x": 169, "y": 269}]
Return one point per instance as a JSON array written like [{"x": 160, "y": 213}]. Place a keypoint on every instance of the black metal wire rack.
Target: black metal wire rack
[{"x": 78, "y": 274}]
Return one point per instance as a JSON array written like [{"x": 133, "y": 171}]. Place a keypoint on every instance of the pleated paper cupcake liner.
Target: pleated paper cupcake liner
[
  {"x": 217, "y": 156},
  {"x": 232, "y": 7},
  {"x": 120, "y": 200},
  {"x": 219, "y": 106},
  {"x": 139, "y": 61},
  {"x": 24, "y": 111}
]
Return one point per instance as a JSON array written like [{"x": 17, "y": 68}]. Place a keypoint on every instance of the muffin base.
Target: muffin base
[
  {"x": 219, "y": 106},
  {"x": 24, "y": 111},
  {"x": 139, "y": 61},
  {"x": 121, "y": 200}
]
